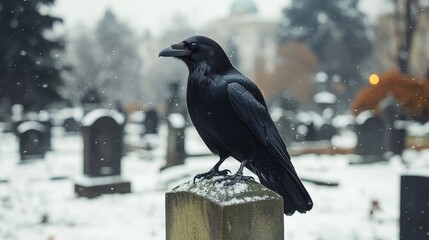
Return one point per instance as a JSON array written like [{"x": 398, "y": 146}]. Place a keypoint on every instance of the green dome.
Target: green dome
[{"x": 240, "y": 7}]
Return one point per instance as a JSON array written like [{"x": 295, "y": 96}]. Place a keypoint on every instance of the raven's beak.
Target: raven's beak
[{"x": 176, "y": 50}]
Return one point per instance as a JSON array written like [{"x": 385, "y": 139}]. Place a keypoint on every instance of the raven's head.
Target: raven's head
[{"x": 199, "y": 49}]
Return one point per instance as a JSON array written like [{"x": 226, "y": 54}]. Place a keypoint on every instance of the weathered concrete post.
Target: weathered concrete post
[{"x": 206, "y": 210}]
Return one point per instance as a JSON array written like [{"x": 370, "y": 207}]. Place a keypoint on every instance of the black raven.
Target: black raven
[{"x": 231, "y": 116}]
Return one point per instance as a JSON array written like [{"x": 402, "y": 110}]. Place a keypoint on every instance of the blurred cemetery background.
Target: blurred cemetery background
[{"x": 94, "y": 128}]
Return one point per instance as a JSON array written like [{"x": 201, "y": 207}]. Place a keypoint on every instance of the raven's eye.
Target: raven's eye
[{"x": 193, "y": 45}]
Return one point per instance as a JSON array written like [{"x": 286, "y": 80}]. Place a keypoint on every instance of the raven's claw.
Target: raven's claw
[
  {"x": 212, "y": 173},
  {"x": 233, "y": 179}
]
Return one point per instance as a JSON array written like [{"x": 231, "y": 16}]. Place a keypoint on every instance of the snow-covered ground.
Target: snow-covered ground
[{"x": 33, "y": 206}]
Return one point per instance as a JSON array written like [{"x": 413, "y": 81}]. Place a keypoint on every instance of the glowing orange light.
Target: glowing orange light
[{"x": 374, "y": 79}]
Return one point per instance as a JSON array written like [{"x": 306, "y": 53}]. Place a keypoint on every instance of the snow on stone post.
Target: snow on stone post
[
  {"x": 206, "y": 210},
  {"x": 176, "y": 153}
]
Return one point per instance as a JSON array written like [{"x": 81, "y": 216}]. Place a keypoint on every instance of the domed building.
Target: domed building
[
  {"x": 241, "y": 7},
  {"x": 248, "y": 39}
]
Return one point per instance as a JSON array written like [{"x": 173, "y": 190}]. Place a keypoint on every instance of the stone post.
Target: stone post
[{"x": 206, "y": 210}]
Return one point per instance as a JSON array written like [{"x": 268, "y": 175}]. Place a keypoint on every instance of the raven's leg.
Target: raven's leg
[
  {"x": 214, "y": 171},
  {"x": 238, "y": 176}
]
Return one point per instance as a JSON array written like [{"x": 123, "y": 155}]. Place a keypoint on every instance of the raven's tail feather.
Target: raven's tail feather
[{"x": 287, "y": 184}]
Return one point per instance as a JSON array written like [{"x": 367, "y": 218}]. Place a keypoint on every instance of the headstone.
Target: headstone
[
  {"x": 102, "y": 132},
  {"x": 370, "y": 137},
  {"x": 32, "y": 140},
  {"x": 286, "y": 127},
  {"x": 414, "y": 207},
  {"x": 174, "y": 102},
  {"x": 151, "y": 122},
  {"x": 394, "y": 117},
  {"x": 205, "y": 210},
  {"x": 176, "y": 152},
  {"x": 46, "y": 121},
  {"x": 71, "y": 118},
  {"x": 71, "y": 125},
  {"x": 326, "y": 132},
  {"x": 287, "y": 102},
  {"x": 311, "y": 133}
]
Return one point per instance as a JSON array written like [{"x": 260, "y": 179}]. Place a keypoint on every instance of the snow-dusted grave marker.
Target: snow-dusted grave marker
[
  {"x": 71, "y": 125},
  {"x": 371, "y": 140},
  {"x": 176, "y": 152},
  {"x": 207, "y": 210},
  {"x": 33, "y": 137},
  {"x": 102, "y": 132},
  {"x": 414, "y": 206},
  {"x": 151, "y": 121},
  {"x": 394, "y": 117}
]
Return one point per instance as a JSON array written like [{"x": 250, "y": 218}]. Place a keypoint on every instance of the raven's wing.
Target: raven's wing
[
  {"x": 284, "y": 180},
  {"x": 255, "y": 115}
]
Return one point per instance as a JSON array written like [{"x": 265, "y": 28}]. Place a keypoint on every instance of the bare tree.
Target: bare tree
[{"x": 406, "y": 17}]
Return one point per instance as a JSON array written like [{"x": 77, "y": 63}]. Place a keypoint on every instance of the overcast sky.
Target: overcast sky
[{"x": 156, "y": 15}]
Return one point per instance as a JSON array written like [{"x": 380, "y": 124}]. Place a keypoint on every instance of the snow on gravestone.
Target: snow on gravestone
[
  {"x": 32, "y": 140},
  {"x": 209, "y": 210},
  {"x": 370, "y": 137},
  {"x": 414, "y": 206},
  {"x": 176, "y": 152},
  {"x": 394, "y": 116},
  {"x": 102, "y": 132},
  {"x": 151, "y": 122}
]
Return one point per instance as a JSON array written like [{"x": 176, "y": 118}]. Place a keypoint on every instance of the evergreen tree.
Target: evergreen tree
[
  {"x": 335, "y": 31},
  {"x": 29, "y": 71}
]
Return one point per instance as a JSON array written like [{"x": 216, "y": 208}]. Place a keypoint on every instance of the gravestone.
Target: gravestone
[
  {"x": 311, "y": 133},
  {"x": 414, "y": 207},
  {"x": 32, "y": 140},
  {"x": 46, "y": 120},
  {"x": 287, "y": 102},
  {"x": 370, "y": 133},
  {"x": 326, "y": 132},
  {"x": 71, "y": 125},
  {"x": 176, "y": 152},
  {"x": 394, "y": 117},
  {"x": 174, "y": 102},
  {"x": 286, "y": 127},
  {"x": 102, "y": 132},
  {"x": 151, "y": 122}
]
